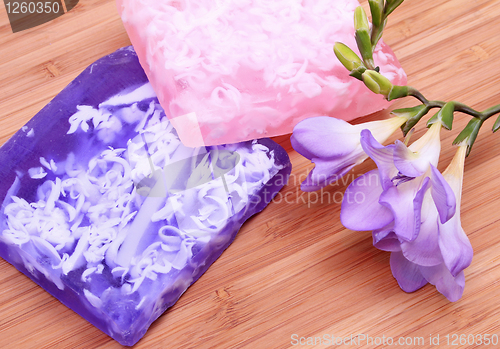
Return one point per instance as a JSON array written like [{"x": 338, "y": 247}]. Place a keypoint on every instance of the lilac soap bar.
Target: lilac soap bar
[{"x": 105, "y": 208}]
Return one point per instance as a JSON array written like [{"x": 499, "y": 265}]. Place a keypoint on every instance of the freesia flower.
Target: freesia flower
[
  {"x": 413, "y": 212},
  {"x": 334, "y": 146},
  {"x": 395, "y": 188}
]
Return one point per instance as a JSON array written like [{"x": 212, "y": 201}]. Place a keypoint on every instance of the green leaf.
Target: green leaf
[
  {"x": 469, "y": 134},
  {"x": 377, "y": 11},
  {"x": 397, "y": 92},
  {"x": 391, "y": 5},
  {"x": 410, "y": 112},
  {"x": 413, "y": 115},
  {"x": 444, "y": 115},
  {"x": 496, "y": 125},
  {"x": 358, "y": 72},
  {"x": 432, "y": 120}
]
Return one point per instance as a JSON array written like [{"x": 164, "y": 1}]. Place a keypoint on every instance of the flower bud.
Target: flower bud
[
  {"x": 377, "y": 83},
  {"x": 360, "y": 19},
  {"x": 377, "y": 11},
  {"x": 362, "y": 35},
  {"x": 346, "y": 56}
]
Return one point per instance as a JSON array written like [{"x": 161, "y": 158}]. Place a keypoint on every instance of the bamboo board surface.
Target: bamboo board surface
[{"x": 293, "y": 269}]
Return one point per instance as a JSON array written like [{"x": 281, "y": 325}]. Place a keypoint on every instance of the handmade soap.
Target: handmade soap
[
  {"x": 232, "y": 70},
  {"x": 104, "y": 207}
]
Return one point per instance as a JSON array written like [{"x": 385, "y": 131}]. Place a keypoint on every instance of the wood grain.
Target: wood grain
[{"x": 293, "y": 269}]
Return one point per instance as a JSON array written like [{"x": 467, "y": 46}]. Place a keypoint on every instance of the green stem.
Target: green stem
[
  {"x": 373, "y": 79},
  {"x": 490, "y": 112},
  {"x": 460, "y": 107},
  {"x": 416, "y": 93}
]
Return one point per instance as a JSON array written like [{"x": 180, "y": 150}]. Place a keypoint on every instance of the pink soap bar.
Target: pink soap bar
[{"x": 228, "y": 71}]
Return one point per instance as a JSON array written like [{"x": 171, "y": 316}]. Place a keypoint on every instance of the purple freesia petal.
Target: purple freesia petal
[
  {"x": 455, "y": 246},
  {"x": 383, "y": 157},
  {"x": 428, "y": 147},
  {"x": 332, "y": 144},
  {"x": 360, "y": 208},
  {"x": 407, "y": 162},
  {"x": 406, "y": 273},
  {"x": 421, "y": 227},
  {"x": 405, "y": 202},
  {"x": 451, "y": 287},
  {"x": 324, "y": 173},
  {"x": 443, "y": 196},
  {"x": 335, "y": 146},
  {"x": 385, "y": 239},
  {"x": 424, "y": 250},
  {"x": 324, "y": 137}
]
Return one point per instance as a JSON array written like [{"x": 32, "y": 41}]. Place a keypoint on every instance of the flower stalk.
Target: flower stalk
[
  {"x": 411, "y": 208},
  {"x": 364, "y": 69}
]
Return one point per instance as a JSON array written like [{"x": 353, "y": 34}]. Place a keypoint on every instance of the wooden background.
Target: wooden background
[{"x": 293, "y": 269}]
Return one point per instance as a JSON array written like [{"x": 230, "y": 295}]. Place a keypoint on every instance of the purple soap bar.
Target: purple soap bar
[{"x": 103, "y": 206}]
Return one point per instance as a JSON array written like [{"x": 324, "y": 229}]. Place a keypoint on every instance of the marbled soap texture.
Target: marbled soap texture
[{"x": 104, "y": 207}]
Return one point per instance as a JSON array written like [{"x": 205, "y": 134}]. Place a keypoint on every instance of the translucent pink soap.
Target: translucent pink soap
[
  {"x": 105, "y": 208},
  {"x": 233, "y": 70}
]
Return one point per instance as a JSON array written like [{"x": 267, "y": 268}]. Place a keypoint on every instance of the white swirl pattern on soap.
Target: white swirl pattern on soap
[{"x": 99, "y": 215}]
